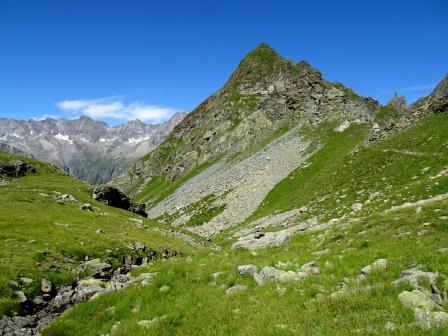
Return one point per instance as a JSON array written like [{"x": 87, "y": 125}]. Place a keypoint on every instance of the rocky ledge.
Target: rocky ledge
[{"x": 44, "y": 308}]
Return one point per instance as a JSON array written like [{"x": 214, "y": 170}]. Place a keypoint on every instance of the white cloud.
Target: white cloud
[
  {"x": 73, "y": 104},
  {"x": 106, "y": 108},
  {"x": 417, "y": 88},
  {"x": 46, "y": 116}
]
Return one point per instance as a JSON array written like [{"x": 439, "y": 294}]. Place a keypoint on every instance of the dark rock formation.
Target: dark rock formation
[
  {"x": 15, "y": 168},
  {"x": 115, "y": 198}
]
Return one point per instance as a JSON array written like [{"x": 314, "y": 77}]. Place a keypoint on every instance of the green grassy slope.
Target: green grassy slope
[
  {"x": 41, "y": 237},
  {"x": 344, "y": 172},
  {"x": 403, "y": 168},
  {"x": 197, "y": 305}
]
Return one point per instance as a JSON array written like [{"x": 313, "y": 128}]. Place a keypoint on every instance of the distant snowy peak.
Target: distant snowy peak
[{"x": 89, "y": 149}]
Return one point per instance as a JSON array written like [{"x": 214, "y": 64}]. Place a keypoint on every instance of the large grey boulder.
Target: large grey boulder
[
  {"x": 414, "y": 275},
  {"x": 267, "y": 274},
  {"x": 308, "y": 269},
  {"x": 429, "y": 319},
  {"x": 236, "y": 289},
  {"x": 247, "y": 269},
  {"x": 271, "y": 274},
  {"x": 262, "y": 240},
  {"x": 98, "y": 267},
  {"x": 418, "y": 299}
]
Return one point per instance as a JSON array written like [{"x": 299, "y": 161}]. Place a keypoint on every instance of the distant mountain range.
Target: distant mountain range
[{"x": 88, "y": 149}]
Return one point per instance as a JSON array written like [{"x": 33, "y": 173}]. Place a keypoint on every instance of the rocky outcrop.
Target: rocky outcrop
[
  {"x": 428, "y": 303},
  {"x": 254, "y": 238},
  {"x": 53, "y": 301},
  {"x": 15, "y": 169},
  {"x": 396, "y": 115},
  {"x": 115, "y": 198},
  {"x": 261, "y": 240},
  {"x": 272, "y": 274}
]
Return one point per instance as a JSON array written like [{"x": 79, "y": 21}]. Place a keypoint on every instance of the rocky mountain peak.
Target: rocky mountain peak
[
  {"x": 136, "y": 123},
  {"x": 264, "y": 94},
  {"x": 257, "y": 66}
]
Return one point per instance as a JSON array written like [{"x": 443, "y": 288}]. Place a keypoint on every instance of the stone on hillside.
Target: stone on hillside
[
  {"x": 90, "y": 282},
  {"x": 88, "y": 288},
  {"x": 20, "y": 296},
  {"x": 380, "y": 264},
  {"x": 390, "y": 326},
  {"x": 342, "y": 127},
  {"x": 247, "y": 269},
  {"x": 45, "y": 285},
  {"x": 308, "y": 269},
  {"x": 86, "y": 207},
  {"x": 115, "y": 198},
  {"x": 414, "y": 275},
  {"x": 236, "y": 289},
  {"x": 66, "y": 198},
  {"x": 418, "y": 299},
  {"x": 164, "y": 289},
  {"x": 356, "y": 207},
  {"x": 15, "y": 168},
  {"x": 137, "y": 246},
  {"x": 145, "y": 277},
  {"x": 262, "y": 240},
  {"x": 97, "y": 265},
  {"x": 25, "y": 281},
  {"x": 216, "y": 275},
  {"x": 152, "y": 322},
  {"x": 267, "y": 274},
  {"x": 375, "y": 195},
  {"x": 429, "y": 319},
  {"x": 288, "y": 276}
]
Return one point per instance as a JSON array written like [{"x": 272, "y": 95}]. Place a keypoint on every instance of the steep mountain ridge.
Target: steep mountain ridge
[
  {"x": 87, "y": 149},
  {"x": 266, "y": 93},
  {"x": 396, "y": 115},
  {"x": 218, "y": 166}
]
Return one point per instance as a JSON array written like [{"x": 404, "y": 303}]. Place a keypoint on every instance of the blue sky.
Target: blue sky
[{"x": 118, "y": 60}]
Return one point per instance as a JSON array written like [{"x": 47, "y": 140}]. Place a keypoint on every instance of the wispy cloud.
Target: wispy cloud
[
  {"x": 107, "y": 108},
  {"x": 417, "y": 88}
]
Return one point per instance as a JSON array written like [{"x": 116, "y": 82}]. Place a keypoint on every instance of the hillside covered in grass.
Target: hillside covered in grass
[{"x": 45, "y": 233}]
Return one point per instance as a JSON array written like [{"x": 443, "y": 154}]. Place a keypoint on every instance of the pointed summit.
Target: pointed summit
[
  {"x": 262, "y": 56},
  {"x": 258, "y": 65}
]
